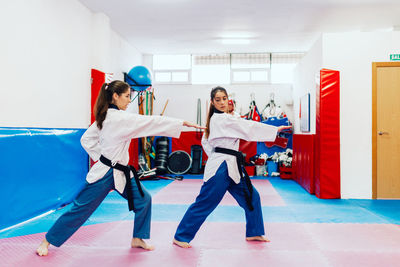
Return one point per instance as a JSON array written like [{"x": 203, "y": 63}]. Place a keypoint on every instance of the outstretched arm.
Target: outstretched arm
[
  {"x": 193, "y": 125},
  {"x": 282, "y": 128},
  {"x": 225, "y": 125},
  {"x": 136, "y": 126}
]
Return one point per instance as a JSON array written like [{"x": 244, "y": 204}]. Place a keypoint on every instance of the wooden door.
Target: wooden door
[{"x": 386, "y": 130}]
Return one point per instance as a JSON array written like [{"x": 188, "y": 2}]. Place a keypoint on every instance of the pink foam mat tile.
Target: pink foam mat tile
[
  {"x": 103, "y": 256},
  {"x": 25, "y": 255},
  {"x": 356, "y": 237},
  {"x": 111, "y": 247},
  {"x": 216, "y": 244},
  {"x": 240, "y": 258},
  {"x": 283, "y": 236},
  {"x": 103, "y": 244},
  {"x": 186, "y": 191},
  {"x": 25, "y": 239},
  {"x": 364, "y": 259}
]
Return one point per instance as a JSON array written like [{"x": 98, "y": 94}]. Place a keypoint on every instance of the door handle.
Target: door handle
[{"x": 382, "y": 133}]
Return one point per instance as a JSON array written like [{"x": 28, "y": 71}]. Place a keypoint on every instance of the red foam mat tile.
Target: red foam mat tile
[{"x": 186, "y": 191}]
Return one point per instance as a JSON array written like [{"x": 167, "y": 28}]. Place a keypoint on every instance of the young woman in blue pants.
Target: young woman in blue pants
[
  {"x": 225, "y": 171},
  {"x": 107, "y": 141}
]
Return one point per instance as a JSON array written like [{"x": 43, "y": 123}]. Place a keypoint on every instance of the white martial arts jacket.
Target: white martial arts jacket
[
  {"x": 225, "y": 131},
  {"x": 113, "y": 140}
]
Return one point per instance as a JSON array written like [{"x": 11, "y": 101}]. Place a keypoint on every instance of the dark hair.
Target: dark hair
[
  {"x": 214, "y": 91},
  {"x": 105, "y": 98}
]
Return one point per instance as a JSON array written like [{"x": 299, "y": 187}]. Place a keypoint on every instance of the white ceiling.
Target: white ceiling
[{"x": 198, "y": 26}]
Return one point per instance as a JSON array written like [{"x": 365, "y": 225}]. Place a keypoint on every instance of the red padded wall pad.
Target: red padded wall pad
[
  {"x": 134, "y": 153},
  {"x": 303, "y": 161},
  {"x": 98, "y": 78},
  {"x": 248, "y": 148},
  {"x": 187, "y": 139},
  {"x": 185, "y": 142},
  {"x": 327, "y": 139}
]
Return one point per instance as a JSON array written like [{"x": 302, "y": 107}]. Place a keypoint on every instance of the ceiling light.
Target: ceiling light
[
  {"x": 237, "y": 35},
  {"x": 235, "y": 41}
]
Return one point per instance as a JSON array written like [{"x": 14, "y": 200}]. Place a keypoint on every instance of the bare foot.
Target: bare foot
[
  {"x": 258, "y": 238},
  {"x": 43, "y": 250},
  {"x": 139, "y": 243},
  {"x": 181, "y": 244}
]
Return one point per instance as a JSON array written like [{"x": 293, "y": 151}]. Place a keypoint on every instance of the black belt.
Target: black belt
[
  {"x": 242, "y": 170},
  {"x": 127, "y": 171}
]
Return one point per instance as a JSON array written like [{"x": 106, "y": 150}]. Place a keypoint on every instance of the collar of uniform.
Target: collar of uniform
[
  {"x": 217, "y": 111},
  {"x": 113, "y": 106}
]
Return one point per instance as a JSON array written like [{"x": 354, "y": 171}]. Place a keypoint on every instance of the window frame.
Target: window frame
[
  {"x": 188, "y": 71},
  {"x": 249, "y": 70}
]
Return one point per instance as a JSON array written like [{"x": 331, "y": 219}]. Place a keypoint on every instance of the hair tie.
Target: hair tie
[{"x": 106, "y": 87}]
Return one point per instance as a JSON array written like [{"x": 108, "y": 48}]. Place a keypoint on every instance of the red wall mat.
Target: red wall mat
[
  {"x": 327, "y": 138},
  {"x": 98, "y": 78},
  {"x": 303, "y": 161},
  {"x": 249, "y": 148},
  {"x": 134, "y": 153},
  {"x": 185, "y": 141}
]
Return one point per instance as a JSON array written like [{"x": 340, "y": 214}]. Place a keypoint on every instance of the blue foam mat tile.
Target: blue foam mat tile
[
  {"x": 169, "y": 212},
  {"x": 109, "y": 212},
  {"x": 163, "y": 212},
  {"x": 335, "y": 214},
  {"x": 278, "y": 214},
  {"x": 387, "y": 209},
  {"x": 38, "y": 225},
  {"x": 154, "y": 186}
]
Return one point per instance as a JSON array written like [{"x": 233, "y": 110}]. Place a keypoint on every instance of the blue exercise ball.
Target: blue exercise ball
[{"x": 139, "y": 78}]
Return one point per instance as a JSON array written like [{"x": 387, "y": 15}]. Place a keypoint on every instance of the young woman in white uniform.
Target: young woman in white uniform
[
  {"x": 107, "y": 142},
  {"x": 224, "y": 170}
]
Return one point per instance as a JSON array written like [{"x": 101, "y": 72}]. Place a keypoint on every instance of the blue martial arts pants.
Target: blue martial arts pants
[
  {"x": 86, "y": 203},
  {"x": 210, "y": 196}
]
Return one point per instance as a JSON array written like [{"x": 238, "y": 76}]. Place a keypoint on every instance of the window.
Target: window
[
  {"x": 250, "y": 68},
  {"x": 225, "y": 68},
  {"x": 211, "y": 69},
  {"x": 282, "y": 66},
  {"x": 250, "y": 61},
  {"x": 172, "y": 68},
  {"x": 162, "y": 76}
]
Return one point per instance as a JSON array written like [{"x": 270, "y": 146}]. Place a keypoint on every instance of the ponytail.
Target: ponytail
[
  {"x": 214, "y": 91},
  {"x": 105, "y": 97},
  {"x": 209, "y": 115}
]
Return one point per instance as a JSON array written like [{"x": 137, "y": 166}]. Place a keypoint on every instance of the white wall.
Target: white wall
[
  {"x": 123, "y": 56},
  {"x": 304, "y": 82},
  {"x": 47, "y": 51},
  {"x": 183, "y": 98},
  {"x": 352, "y": 54}
]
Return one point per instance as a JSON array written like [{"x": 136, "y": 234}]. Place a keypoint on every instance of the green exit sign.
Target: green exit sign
[{"x": 395, "y": 57}]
